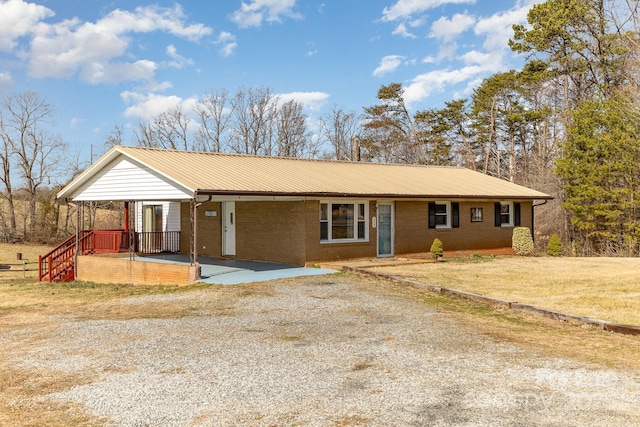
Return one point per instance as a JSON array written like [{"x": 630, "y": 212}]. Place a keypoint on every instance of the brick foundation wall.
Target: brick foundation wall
[{"x": 93, "y": 268}]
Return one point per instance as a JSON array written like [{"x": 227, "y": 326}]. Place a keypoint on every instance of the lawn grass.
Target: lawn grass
[
  {"x": 602, "y": 288},
  {"x": 11, "y": 268}
]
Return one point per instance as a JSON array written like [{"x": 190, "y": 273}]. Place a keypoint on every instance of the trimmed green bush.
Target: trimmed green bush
[
  {"x": 554, "y": 247},
  {"x": 522, "y": 242},
  {"x": 437, "y": 249}
]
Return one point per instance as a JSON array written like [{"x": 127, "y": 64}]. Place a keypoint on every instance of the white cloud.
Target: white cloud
[
  {"x": 492, "y": 32},
  {"x": 388, "y": 64},
  {"x": 447, "y": 30},
  {"x": 401, "y": 30},
  {"x": 252, "y": 14},
  {"x": 5, "y": 82},
  {"x": 147, "y": 106},
  {"x": 75, "y": 121},
  {"x": 480, "y": 58},
  {"x": 71, "y": 46},
  {"x": 117, "y": 72},
  {"x": 404, "y": 9},
  {"x": 179, "y": 61},
  {"x": 17, "y": 19},
  {"x": 436, "y": 81},
  {"x": 310, "y": 100},
  {"x": 146, "y": 19},
  {"x": 228, "y": 43},
  {"x": 497, "y": 28}
]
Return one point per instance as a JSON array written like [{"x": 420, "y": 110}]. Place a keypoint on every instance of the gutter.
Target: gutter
[{"x": 365, "y": 195}]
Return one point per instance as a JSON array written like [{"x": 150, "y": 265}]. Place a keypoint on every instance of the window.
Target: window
[
  {"x": 507, "y": 214},
  {"x": 343, "y": 222},
  {"x": 476, "y": 214},
  {"x": 506, "y": 211},
  {"x": 152, "y": 218},
  {"x": 444, "y": 215}
]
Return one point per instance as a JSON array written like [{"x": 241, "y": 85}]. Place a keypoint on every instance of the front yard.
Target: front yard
[{"x": 602, "y": 288}]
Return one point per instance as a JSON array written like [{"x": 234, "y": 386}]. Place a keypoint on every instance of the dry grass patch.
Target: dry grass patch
[
  {"x": 12, "y": 269},
  {"x": 20, "y": 403},
  {"x": 603, "y": 288},
  {"x": 534, "y": 333}
]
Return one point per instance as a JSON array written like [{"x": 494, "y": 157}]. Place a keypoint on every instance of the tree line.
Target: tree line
[
  {"x": 251, "y": 121},
  {"x": 567, "y": 123}
]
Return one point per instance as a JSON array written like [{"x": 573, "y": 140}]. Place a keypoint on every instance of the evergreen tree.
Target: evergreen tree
[{"x": 600, "y": 171}]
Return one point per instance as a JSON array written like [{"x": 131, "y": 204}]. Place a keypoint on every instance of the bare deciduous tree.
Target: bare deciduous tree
[
  {"x": 294, "y": 139},
  {"x": 214, "y": 115},
  {"x": 339, "y": 128},
  {"x": 29, "y": 143},
  {"x": 170, "y": 129},
  {"x": 253, "y": 127}
]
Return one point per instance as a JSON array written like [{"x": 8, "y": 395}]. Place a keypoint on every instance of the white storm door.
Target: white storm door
[
  {"x": 229, "y": 228},
  {"x": 385, "y": 229}
]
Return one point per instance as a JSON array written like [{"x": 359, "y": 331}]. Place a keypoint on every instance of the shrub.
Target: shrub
[
  {"x": 437, "y": 249},
  {"x": 522, "y": 242},
  {"x": 554, "y": 247}
]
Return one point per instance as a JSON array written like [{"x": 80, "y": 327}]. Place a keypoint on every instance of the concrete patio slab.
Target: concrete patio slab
[{"x": 233, "y": 272}]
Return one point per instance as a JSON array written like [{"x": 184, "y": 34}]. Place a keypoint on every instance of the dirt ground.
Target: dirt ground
[{"x": 336, "y": 350}]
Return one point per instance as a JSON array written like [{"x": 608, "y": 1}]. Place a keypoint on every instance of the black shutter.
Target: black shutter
[
  {"x": 432, "y": 215},
  {"x": 516, "y": 214},
  {"x": 496, "y": 209},
  {"x": 455, "y": 215}
]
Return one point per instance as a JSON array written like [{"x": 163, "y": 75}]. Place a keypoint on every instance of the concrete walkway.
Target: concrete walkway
[{"x": 233, "y": 272}]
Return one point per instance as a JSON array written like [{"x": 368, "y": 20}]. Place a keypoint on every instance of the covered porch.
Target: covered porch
[{"x": 231, "y": 271}]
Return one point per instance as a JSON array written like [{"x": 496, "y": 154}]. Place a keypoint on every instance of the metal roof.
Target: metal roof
[{"x": 233, "y": 174}]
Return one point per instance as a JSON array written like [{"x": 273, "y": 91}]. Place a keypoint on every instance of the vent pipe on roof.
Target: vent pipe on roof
[{"x": 356, "y": 149}]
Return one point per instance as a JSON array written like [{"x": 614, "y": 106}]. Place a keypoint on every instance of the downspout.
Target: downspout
[
  {"x": 196, "y": 205},
  {"x": 533, "y": 218}
]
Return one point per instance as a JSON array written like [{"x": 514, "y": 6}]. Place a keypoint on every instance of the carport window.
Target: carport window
[{"x": 343, "y": 221}]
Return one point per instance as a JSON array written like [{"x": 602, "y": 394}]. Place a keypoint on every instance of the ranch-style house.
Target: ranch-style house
[{"x": 286, "y": 210}]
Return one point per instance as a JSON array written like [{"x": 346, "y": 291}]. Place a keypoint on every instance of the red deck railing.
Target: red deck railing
[{"x": 59, "y": 264}]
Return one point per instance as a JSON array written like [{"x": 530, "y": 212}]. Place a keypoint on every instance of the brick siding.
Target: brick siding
[{"x": 101, "y": 269}]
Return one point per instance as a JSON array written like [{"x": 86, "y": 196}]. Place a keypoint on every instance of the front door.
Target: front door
[
  {"x": 385, "y": 229},
  {"x": 229, "y": 228}
]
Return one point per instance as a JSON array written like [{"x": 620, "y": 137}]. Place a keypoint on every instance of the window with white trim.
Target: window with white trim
[
  {"x": 507, "y": 214},
  {"x": 343, "y": 221},
  {"x": 444, "y": 215}
]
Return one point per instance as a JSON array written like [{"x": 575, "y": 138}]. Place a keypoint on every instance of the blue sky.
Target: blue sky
[{"x": 108, "y": 63}]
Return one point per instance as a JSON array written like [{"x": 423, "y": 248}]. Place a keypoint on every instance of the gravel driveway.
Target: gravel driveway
[{"x": 319, "y": 351}]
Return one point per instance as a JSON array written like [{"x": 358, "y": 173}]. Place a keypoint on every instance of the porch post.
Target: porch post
[
  {"x": 126, "y": 217},
  {"x": 79, "y": 208}
]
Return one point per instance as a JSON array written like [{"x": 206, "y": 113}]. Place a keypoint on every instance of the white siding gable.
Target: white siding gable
[{"x": 124, "y": 179}]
